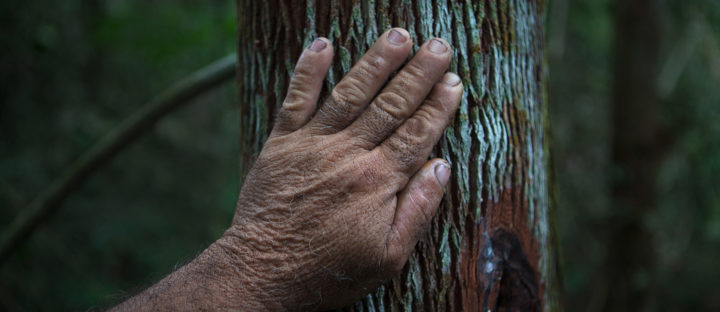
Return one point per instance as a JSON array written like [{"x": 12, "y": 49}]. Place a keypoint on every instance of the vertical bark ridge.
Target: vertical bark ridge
[{"x": 489, "y": 246}]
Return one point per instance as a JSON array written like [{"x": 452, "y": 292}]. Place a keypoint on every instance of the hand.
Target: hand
[{"x": 339, "y": 195}]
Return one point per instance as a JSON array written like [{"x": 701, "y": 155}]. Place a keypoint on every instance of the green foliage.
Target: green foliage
[{"x": 71, "y": 71}]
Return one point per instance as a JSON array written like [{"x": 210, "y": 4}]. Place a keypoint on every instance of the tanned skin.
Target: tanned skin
[{"x": 339, "y": 195}]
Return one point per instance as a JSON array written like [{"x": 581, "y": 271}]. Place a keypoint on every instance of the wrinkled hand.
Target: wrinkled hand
[{"x": 339, "y": 195}]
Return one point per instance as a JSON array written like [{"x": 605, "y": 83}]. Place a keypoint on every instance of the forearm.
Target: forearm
[
  {"x": 206, "y": 283},
  {"x": 339, "y": 196}
]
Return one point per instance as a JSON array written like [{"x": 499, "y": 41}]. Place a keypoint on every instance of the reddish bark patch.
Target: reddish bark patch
[{"x": 499, "y": 262}]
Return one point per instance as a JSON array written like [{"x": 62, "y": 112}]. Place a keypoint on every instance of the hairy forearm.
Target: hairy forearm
[{"x": 209, "y": 282}]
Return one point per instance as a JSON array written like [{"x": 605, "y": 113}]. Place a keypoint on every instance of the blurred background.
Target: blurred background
[
  {"x": 632, "y": 84},
  {"x": 70, "y": 71}
]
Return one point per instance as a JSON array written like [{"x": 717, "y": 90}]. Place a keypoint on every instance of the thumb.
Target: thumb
[{"x": 417, "y": 204}]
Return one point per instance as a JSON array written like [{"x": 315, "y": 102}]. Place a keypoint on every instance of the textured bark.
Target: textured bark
[{"x": 490, "y": 247}]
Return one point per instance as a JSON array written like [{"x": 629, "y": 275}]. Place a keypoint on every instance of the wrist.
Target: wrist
[
  {"x": 269, "y": 276},
  {"x": 246, "y": 290},
  {"x": 210, "y": 282}
]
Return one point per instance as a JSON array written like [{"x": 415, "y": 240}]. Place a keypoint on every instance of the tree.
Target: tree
[
  {"x": 639, "y": 143},
  {"x": 491, "y": 246}
]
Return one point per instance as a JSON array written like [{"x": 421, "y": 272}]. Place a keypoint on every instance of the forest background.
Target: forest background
[{"x": 71, "y": 71}]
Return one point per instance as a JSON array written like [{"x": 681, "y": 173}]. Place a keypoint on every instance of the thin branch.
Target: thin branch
[
  {"x": 712, "y": 49},
  {"x": 558, "y": 23},
  {"x": 678, "y": 59},
  {"x": 134, "y": 127}
]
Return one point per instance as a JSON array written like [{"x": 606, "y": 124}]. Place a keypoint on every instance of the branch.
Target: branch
[
  {"x": 556, "y": 33},
  {"x": 679, "y": 58},
  {"x": 712, "y": 49},
  {"x": 134, "y": 127}
]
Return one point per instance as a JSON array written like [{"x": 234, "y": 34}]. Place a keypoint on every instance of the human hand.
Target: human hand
[{"x": 340, "y": 195}]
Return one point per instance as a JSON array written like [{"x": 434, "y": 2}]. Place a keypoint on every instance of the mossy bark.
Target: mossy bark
[{"x": 491, "y": 245}]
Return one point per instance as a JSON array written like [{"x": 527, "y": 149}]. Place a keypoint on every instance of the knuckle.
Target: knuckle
[
  {"x": 335, "y": 107},
  {"x": 393, "y": 103},
  {"x": 337, "y": 97},
  {"x": 355, "y": 94},
  {"x": 414, "y": 73},
  {"x": 283, "y": 117},
  {"x": 358, "y": 78},
  {"x": 350, "y": 90},
  {"x": 361, "y": 136},
  {"x": 372, "y": 64},
  {"x": 423, "y": 127},
  {"x": 295, "y": 100},
  {"x": 436, "y": 106},
  {"x": 423, "y": 120},
  {"x": 303, "y": 75},
  {"x": 398, "y": 145},
  {"x": 299, "y": 85},
  {"x": 407, "y": 149},
  {"x": 401, "y": 152},
  {"x": 373, "y": 117},
  {"x": 416, "y": 129}
]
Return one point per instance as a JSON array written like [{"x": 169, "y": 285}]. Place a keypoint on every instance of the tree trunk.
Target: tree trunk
[
  {"x": 637, "y": 148},
  {"x": 491, "y": 245}
]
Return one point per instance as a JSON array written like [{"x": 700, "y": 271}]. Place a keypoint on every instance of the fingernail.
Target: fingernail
[
  {"x": 437, "y": 46},
  {"x": 397, "y": 38},
  {"x": 451, "y": 79},
  {"x": 442, "y": 173},
  {"x": 318, "y": 45}
]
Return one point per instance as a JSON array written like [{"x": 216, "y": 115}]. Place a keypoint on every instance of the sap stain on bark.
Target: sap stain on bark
[
  {"x": 510, "y": 282},
  {"x": 500, "y": 259}
]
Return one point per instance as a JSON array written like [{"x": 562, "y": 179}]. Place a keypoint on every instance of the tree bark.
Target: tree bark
[{"x": 491, "y": 245}]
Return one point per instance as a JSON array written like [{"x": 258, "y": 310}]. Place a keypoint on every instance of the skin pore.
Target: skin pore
[{"x": 339, "y": 195}]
